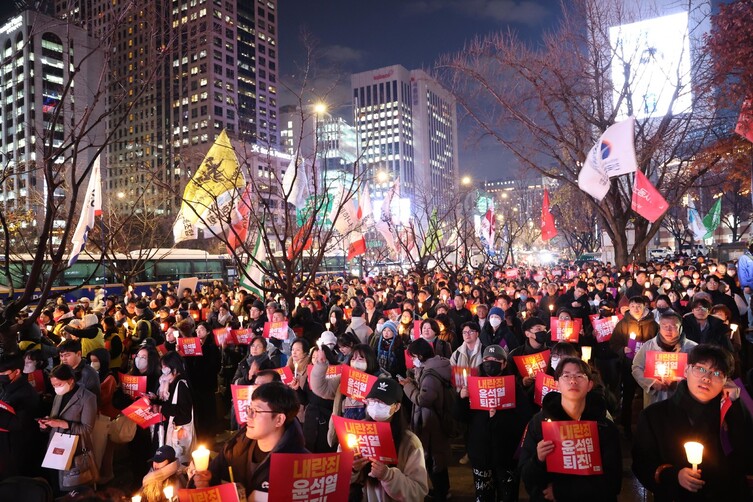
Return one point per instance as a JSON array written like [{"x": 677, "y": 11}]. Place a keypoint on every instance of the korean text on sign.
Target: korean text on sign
[
  {"x": 576, "y": 447},
  {"x": 665, "y": 365},
  {"x": 310, "y": 477},
  {"x": 492, "y": 393},
  {"x": 356, "y": 384},
  {"x": 221, "y": 493},
  {"x": 531, "y": 364},
  {"x": 372, "y": 439}
]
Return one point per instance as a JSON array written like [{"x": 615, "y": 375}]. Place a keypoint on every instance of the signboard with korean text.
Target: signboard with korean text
[
  {"x": 241, "y": 400},
  {"x": 371, "y": 439},
  {"x": 665, "y": 365},
  {"x": 356, "y": 384},
  {"x": 566, "y": 331},
  {"x": 286, "y": 374},
  {"x": 224, "y": 336},
  {"x": 544, "y": 385},
  {"x": 576, "y": 447},
  {"x": 133, "y": 386},
  {"x": 530, "y": 364},
  {"x": 492, "y": 393},
  {"x": 333, "y": 371},
  {"x": 189, "y": 347},
  {"x": 225, "y": 492},
  {"x": 603, "y": 328},
  {"x": 460, "y": 375},
  {"x": 277, "y": 330},
  {"x": 310, "y": 476},
  {"x": 243, "y": 336},
  {"x": 140, "y": 412}
]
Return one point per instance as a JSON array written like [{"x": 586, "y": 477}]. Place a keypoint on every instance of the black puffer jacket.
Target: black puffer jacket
[{"x": 569, "y": 487}]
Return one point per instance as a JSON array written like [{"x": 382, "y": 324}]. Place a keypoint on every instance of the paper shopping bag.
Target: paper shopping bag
[{"x": 60, "y": 451}]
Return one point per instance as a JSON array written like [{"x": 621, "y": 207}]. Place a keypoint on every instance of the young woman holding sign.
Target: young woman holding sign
[{"x": 573, "y": 402}]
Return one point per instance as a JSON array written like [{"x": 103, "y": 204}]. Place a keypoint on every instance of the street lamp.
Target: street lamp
[
  {"x": 466, "y": 180},
  {"x": 382, "y": 176},
  {"x": 320, "y": 108}
]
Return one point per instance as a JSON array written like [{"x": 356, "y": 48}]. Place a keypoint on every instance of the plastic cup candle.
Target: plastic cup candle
[
  {"x": 168, "y": 491},
  {"x": 136, "y": 498},
  {"x": 586, "y": 353},
  {"x": 49, "y": 327},
  {"x": 694, "y": 451},
  {"x": 295, "y": 369},
  {"x": 646, "y": 285},
  {"x": 240, "y": 320},
  {"x": 732, "y": 328},
  {"x": 523, "y": 314},
  {"x": 352, "y": 442},
  {"x": 661, "y": 370},
  {"x": 201, "y": 458},
  {"x": 465, "y": 377},
  {"x": 551, "y": 308}
]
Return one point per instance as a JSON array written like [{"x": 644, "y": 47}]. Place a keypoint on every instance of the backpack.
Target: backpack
[{"x": 449, "y": 404}]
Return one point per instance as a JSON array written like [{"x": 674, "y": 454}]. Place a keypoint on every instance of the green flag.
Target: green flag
[
  {"x": 712, "y": 220},
  {"x": 253, "y": 271},
  {"x": 433, "y": 235}
]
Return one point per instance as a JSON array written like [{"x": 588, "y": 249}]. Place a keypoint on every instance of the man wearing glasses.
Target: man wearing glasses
[
  {"x": 702, "y": 328},
  {"x": 669, "y": 339},
  {"x": 700, "y": 411},
  {"x": 271, "y": 427}
]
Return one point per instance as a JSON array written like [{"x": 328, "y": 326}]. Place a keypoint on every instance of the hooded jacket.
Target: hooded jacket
[
  {"x": 361, "y": 329},
  {"x": 652, "y": 394},
  {"x": 569, "y": 487},
  {"x": 644, "y": 328}
]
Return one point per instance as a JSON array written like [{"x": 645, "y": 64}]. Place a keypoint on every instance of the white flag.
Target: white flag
[
  {"x": 343, "y": 214},
  {"x": 384, "y": 224},
  {"x": 697, "y": 228},
  {"x": 92, "y": 207},
  {"x": 295, "y": 182},
  {"x": 613, "y": 155},
  {"x": 254, "y": 273},
  {"x": 364, "y": 203}
]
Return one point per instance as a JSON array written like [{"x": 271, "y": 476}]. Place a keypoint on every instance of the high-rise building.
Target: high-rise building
[
  {"x": 45, "y": 93},
  {"x": 407, "y": 128},
  {"x": 181, "y": 72}
]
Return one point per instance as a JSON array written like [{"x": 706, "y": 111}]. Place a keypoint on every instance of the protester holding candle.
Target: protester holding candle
[
  {"x": 669, "y": 339},
  {"x": 494, "y": 436},
  {"x": 696, "y": 413},
  {"x": 165, "y": 471},
  {"x": 537, "y": 340},
  {"x": 574, "y": 401},
  {"x": 376, "y": 481},
  {"x": 639, "y": 321}
]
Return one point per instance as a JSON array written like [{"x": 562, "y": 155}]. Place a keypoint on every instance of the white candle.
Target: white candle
[
  {"x": 168, "y": 491},
  {"x": 295, "y": 366},
  {"x": 465, "y": 377},
  {"x": 694, "y": 451},
  {"x": 661, "y": 370},
  {"x": 586, "y": 351},
  {"x": 632, "y": 336},
  {"x": 733, "y": 328},
  {"x": 136, "y": 498},
  {"x": 240, "y": 320},
  {"x": 551, "y": 308},
  {"x": 201, "y": 458}
]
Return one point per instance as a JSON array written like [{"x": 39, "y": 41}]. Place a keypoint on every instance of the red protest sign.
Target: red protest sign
[
  {"x": 416, "y": 330},
  {"x": 538, "y": 277},
  {"x": 460, "y": 375},
  {"x": 392, "y": 314},
  {"x": 189, "y": 347},
  {"x": 543, "y": 386},
  {"x": 492, "y": 393},
  {"x": 243, "y": 336},
  {"x": 277, "y": 330},
  {"x": 36, "y": 379},
  {"x": 133, "y": 385},
  {"x": 225, "y": 492},
  {"x": 140, "y": 412},
  {"x": 373, "y": 439},
  {"x": 511, "y": 273},
  {"x": 665, "y": 365},
  {"x": 566, "y": 331},
  {"x": 576, "y": 447},
  {"x": 161, "y": 349},
  {"x": 241, "y": 399},
  {"x": 603, "y": 328},
  {"x": 347, "y": 312},
  {"x": 356, "y": 384},
  {"x": 286, "y": 374},
  {"x": 531, "y": 364},
  {"x": 333, "y": 371},
  {"x": 408, "y": 361},
  {"x": 310, "y": 476},
  {"x": 224, "y": 336}
]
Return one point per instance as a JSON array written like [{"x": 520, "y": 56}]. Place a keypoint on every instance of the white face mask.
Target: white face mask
[
  {"x": 380, "y": 412},
  {"x": 30, "y": 367},
  {"x": 95, "y": 366},
  {"x": 141, "y": 364},
  {"x": 166, "y": 370},
  {"x": 417, "y": 362},
  {"x": 359, "y": 365},
  {"x": 62, "y": 389},
  {"x": 379, "y": 328},
  {"x": 555, "y": 361},
  {"x": 495, "y": 321}
]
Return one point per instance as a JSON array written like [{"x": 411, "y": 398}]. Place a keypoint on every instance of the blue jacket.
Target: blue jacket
[{"x": 745, "y": 270}]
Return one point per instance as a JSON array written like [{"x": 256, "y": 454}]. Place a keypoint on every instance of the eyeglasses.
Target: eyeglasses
[
  {"x": 468, "y": 332},
  {"x": 701, "y": 372},
  {"x": 252, "y": 412},
  {"x": 699, "y": 307},
  {"x": 574, "y": 377}
]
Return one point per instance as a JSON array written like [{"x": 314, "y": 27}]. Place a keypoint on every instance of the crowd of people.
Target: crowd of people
[{"x": 409, "y": 333}]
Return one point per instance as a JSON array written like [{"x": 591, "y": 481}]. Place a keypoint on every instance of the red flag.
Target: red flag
[
  {"x": 298, "y": 245},
  {"x": 745, "y": 121},
  {"x": 647, "y": 201},
  {"x": 238, "y": 234},
  {"x": 357, "y": 245},
  {"x": 548, "y": 230}
]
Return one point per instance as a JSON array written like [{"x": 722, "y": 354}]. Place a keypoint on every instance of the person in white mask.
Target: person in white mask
[{"x": 378, "y": 481}]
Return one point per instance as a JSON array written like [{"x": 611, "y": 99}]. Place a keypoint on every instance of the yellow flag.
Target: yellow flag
[{"x": 212, "y": 192}]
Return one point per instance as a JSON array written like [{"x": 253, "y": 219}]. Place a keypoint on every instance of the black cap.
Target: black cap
[
  {"x": 163, "y": 453},
  {"x": 386, "y": 390}
]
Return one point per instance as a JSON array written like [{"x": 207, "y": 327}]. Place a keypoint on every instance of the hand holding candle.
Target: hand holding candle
[
  {"x": 694, "y": 451},
  {"x": 585, "y": 353},
  {"x": 465, "y": 377},
  {"x": 168, "y": 491},
  {"x": 201, "y": 458},
  {"x": 661, "y": 370}
]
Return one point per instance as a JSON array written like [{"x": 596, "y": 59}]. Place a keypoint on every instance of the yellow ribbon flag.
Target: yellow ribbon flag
[{"x": 212, "y": 193}]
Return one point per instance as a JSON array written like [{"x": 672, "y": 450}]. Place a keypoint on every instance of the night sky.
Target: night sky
[{"x": 356, "y": 35}]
